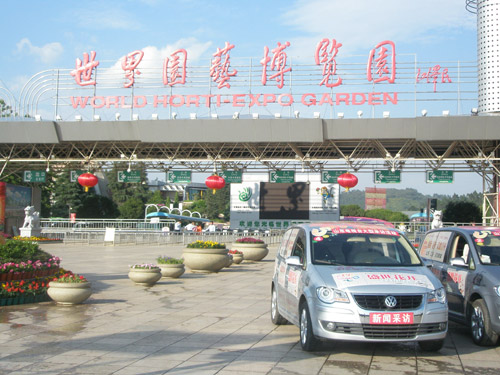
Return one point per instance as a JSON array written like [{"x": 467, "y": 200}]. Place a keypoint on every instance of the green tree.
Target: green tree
[
  {"x": 156, "y": 198},
  {"x": 351, "y": 210},
  {"x": 5, "y": 110},
  {"x": 123, "y": 191},
  {"x": 97, "y": 207},
  {"x": 133, "y": 208},
  {"x": 199, "y": 205},
  {"x": 462, "y": 212},
  {"x": 385, "y": 214},
  {"x": 176, "y": 200},
  {"x": 218, "y": 203},
  {"x": 67, "y": 196}
]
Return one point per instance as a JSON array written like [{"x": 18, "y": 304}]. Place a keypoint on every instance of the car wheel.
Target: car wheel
[
  {"x": 276, "y": 317},
  {"x": 431, "y": 345},
  {"x": 480, "y": 324},
  {"x": 307, "y": 339}
]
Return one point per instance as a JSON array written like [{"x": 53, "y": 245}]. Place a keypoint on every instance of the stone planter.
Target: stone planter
[
  {"x": 147, "y": 277},
  {"x": 251, "y": 251},
  {"x": 237, "y": 258},
  {"x": 69, "y": 293},
  {"x": 229, "y": 260},
  {"x": 205, "y": 260},
  {"x": 172, "y": 270}
]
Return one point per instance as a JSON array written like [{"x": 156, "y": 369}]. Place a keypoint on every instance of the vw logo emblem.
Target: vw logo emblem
[{"x": 391, "y": 301}]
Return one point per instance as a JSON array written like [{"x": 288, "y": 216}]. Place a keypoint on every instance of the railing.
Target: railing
[{"x": 134, "y": 232}]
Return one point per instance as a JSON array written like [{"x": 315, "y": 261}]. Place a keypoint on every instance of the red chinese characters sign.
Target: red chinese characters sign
[
  {"x": 174, "y": 68},
  {"x": 381, "y": 65},
  {"x": 433, "y": 75},
  {"x": 275, "y": 70}
]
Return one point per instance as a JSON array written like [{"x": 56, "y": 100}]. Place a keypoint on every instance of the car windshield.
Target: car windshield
[
  {"x": 489, "y": 250},
  {"x": 363, "y": 250}
]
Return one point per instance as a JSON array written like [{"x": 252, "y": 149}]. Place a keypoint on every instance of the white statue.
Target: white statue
[
  {"x": 437, "y": 221},
  {"x": 31, "y": 218}
]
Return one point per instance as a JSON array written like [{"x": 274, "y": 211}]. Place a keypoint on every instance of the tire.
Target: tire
[
  {"x": 276, "y": 317},
  {"x": 431, "y": 345},
  {"x": 307, "y": 339},
  {"x": 480, "y": 324}
]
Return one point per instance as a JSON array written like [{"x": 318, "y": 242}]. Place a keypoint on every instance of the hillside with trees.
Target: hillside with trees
[{"x": 399, "y": 200}]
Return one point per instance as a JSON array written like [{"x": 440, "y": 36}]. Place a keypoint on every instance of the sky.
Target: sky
[{"x": 43, "y": 35}]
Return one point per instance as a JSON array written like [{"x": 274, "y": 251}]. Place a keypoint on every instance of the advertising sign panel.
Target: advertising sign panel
[{"x": 264, "y": 206}]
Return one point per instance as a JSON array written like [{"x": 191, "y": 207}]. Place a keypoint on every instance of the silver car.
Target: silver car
[{"x": 354, "y": 281}]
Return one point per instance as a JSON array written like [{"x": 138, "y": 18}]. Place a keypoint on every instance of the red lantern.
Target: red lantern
[
  {"x": 87, "y": 180},
  {"x": 215, "y": 182},
  {"x": 347, "y": 180}
]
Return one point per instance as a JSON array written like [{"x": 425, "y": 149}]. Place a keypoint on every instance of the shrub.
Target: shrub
[
  {"x": 169, "y": 260},
  {"x": 145, "y": 266},
  {"x": 22, "y": 251}
]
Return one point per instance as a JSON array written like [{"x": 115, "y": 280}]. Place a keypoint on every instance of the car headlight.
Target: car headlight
[
  {"x": 331, "y": 295},
  {"x": 497, "y": 290},
  {"x": 437, "y": 295}
]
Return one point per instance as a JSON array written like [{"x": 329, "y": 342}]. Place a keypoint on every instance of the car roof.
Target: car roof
[
  {"x": 469, "y": 229},
  {"x": 346, "y": 225}
]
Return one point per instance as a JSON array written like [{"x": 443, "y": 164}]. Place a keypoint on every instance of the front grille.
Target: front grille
[
  {"x": 385, "y": 331},
  {"x": 377, "y": 302}
]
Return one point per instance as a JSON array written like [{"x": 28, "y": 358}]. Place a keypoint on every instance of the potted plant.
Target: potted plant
[
  {"x": 237, "y": 256},
  {"x": 205, "y": 256},
  {"x": 144, "y": 274},
  {"x": 170, "y": 267},
  {"x": 253, "y": 249},
  {"x": 69, "y": 289}
]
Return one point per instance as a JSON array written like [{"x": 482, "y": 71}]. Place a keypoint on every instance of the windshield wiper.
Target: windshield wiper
[{"x": 325, "y": 261}]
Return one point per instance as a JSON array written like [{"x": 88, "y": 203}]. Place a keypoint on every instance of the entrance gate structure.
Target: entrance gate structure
[
  {"x": 291, "y": 119},
  {"x": 457, "y": 143}
]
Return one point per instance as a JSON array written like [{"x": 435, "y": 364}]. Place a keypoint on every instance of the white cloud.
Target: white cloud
[
  {"x": 47, "y": 53},
  {"x": 154, "y": 56},
  {"x": 360, "y": 24}
]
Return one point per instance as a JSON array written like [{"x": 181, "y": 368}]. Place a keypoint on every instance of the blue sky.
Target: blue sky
[{"x": 40, "y": 35}]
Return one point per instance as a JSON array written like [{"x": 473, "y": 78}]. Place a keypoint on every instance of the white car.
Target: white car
[{"x": 359, "y": 282}]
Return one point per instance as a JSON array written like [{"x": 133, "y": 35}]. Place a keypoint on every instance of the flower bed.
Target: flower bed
[
  {"x": 25, "y": 272},
  {"x": 36, "y": 239},
  {"x": 206, "y": 245},
  {"x": 21, "y": 292},
  {"x": 249, "y": 240}
]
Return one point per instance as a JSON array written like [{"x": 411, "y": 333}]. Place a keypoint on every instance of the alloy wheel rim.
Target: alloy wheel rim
[
  {"x": 303, "y": 326},
  {"x": 477, "y": 323}
]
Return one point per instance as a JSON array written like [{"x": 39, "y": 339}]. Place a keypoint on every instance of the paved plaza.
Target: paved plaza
[{"x": 197, "y": 324}]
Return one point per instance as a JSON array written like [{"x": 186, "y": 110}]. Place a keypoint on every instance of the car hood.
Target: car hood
[{"x": 378, "y": 279}]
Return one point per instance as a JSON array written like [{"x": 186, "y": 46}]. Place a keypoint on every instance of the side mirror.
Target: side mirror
[
  {"x": 293, "y": 261},
  {"x": 458, "y": 262}
]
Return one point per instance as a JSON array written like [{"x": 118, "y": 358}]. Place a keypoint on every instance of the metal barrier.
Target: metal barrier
[{"x": 153, "y": 237}]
